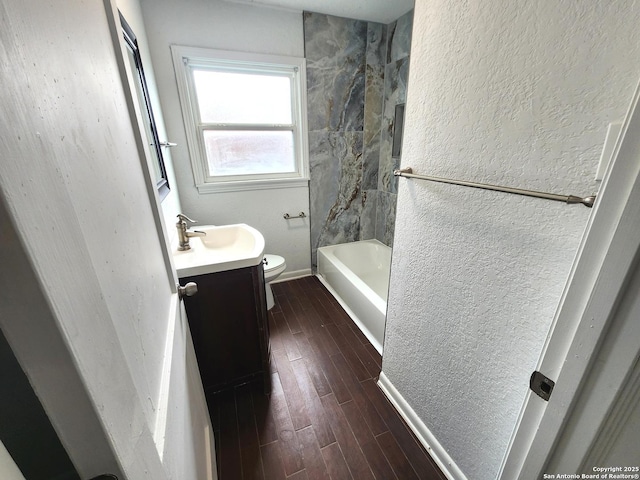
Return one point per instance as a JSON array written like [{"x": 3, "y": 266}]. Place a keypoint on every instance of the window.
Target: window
[{"x": 245, "y": 118}]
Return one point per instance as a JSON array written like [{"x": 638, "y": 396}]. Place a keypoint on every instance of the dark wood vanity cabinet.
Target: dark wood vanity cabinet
[{"x": 229, "y": 327}]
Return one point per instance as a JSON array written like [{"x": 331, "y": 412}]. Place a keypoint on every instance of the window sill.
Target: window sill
[{"x": 250, "y": 185}]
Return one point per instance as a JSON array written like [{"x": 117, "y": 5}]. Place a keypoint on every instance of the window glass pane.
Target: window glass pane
[
  {"x": 225, "y": 97},
  {"x": 249, "y": 152}
]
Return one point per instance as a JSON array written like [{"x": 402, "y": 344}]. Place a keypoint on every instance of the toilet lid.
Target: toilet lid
[{"x": 274, "y": 263}]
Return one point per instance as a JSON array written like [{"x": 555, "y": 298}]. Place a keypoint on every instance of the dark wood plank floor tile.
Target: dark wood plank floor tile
[
  {"x": 277, "y": 300},
  {"x": 418, "y": 457},
  {"x": 323, "y": 417},
  {"x": 267, "y": 429},
  {"x": 287, "y": 441},
  {"x": 272, "y": 462},
  {"x": 396, "y": 457},
  {"x": 335, "y": 462},
  {"x": 348, "y": 352},
  {"x": 297, "y": 406},
  {"x": 319, "y": 421},
  {"x": 370, "y": 448},
  {"x": 273, "y": 367},
  {"x": 275, "y": 336},
  {"x": 285, "y": 337},
  {"x": 248, "y": 434},
  {"x": 298, "y": 292},
  {"x": 276, "y": 385},
  {"x": 313, "y": 282},
  {"x": 384, "y": 408},
  {"x": 321, "y": 298},
  {"x": 354, "y": 457},
  {"x": 360, "y": 397},
  {"x": 333, "y": 308},
  {"x": 318, "y": 304},
  {"x": 276, "y": 305},
  {"x": 301, "y": 475},
  {"x": 332, "y": 375},
  {"x": 361, "y": 352},
  {"x": 374, "y": 354},
  {"x": 311, "y": 455},
  {"x": 292, "y": 289},
  {"x": 290, "y": 316},
  {"x": 358, "y": 333},
  {"x": 312, "y": 320},
  {"x": 300, "y": 314},
  {"x": 344, "y": 316},
  {"x": 422, "y": 463},
  {"x": 316, "y": 374},
  {"x": 327, "y": 342},
  {"x": 278, "y": 288}
]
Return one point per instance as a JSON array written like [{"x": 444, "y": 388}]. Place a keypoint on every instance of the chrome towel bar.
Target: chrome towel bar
[
  {"x": 286, "y": 216},
  {"x": 586, "y": 201}
]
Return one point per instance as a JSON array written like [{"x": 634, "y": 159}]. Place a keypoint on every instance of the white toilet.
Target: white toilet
[{"x": 274, "y": 265}]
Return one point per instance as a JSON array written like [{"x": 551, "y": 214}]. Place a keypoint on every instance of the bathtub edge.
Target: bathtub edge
[{"x": 361, "y": 325}]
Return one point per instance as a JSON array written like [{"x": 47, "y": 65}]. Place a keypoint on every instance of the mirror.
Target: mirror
[{"x": 142, "y": 94}]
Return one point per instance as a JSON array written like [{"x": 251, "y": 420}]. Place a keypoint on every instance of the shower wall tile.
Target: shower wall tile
[
  {"x": 370, "y": 166},
  {"x": 386, "y": 217},
  {"x": 356, "y": 74},
  {"x": 368, "y": 218},
  {"x": 335, "y": 188},
  {"x": 399, "y": 37},
  {"x": 395, "y": 78},
  {"x": 335, "y": 49},
  {"x": 374, "y": 98}
]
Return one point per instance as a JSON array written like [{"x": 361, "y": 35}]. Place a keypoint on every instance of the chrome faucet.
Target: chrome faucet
[{"x": 184, "y": 234}]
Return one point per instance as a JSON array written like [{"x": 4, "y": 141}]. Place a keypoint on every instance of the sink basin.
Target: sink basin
[{"x": 225, "y": 247}]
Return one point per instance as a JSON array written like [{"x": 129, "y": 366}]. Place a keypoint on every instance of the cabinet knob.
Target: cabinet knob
[{"x": 189, "y": 290}]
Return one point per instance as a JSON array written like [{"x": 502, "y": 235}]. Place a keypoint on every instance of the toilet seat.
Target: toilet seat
[{"x": 274, "y": 265}]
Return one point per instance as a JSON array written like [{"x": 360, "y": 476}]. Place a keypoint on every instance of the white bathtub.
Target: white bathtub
[{"x": 357, "y": 274}]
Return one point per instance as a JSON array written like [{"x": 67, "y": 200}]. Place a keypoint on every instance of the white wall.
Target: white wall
[
  {"x": 519, "y": 95},
  {"x": 86, "y": 298},
  {"x": 220, "y": 25}
]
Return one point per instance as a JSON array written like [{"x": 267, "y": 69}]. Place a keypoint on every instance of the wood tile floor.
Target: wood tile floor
[{"x": 325, "y": 417}]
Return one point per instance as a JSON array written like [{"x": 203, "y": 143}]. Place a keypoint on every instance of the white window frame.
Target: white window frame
[{"x": 185, "y": 58}]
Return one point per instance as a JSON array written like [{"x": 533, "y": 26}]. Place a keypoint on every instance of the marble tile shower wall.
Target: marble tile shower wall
[
  {"x": 356, "y": 73},
  {"x": 396, "y": 74}
]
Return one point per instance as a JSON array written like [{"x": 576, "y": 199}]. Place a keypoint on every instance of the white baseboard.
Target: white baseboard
[
  {"x": 285, "y": 276},
  {"x": 417, "y": 426}
]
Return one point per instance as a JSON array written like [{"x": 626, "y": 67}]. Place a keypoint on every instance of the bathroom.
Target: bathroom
[{"x": 532, "y": 93}]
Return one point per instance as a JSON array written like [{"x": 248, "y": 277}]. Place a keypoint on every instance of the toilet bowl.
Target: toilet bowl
[{"x": 274, "y": 265}]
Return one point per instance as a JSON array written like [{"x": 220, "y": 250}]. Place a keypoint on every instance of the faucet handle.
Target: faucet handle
[{"x": 183, "y": 218}]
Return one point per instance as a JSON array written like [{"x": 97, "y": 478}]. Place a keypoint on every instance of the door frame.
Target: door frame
[{"x": 604, "y": 262}]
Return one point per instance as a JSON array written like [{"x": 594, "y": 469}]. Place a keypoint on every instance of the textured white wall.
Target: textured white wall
[
  {"x": 519, "y": 95},
  {"x": 87, "y": 302},
  {"x": 221, "y": 25},
  {"x": 74, "y": 185}
]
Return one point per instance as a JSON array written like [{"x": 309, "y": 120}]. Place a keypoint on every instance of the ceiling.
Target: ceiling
[{"x": 383, "y": 11}]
